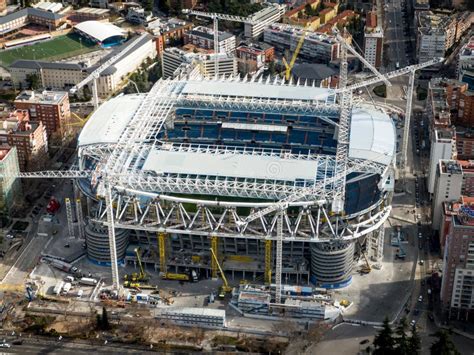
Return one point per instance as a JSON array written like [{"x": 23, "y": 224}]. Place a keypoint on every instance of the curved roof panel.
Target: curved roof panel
[
  {"x": 99, "y": 30},
  {"x": 372, "y": 135},
  {"x": 108, "y": 122}
]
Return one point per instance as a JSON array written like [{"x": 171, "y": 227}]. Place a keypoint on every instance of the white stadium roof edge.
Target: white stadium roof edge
[
  {"x": 99, "y": 31},
  {"x": 372, "y": 138}
]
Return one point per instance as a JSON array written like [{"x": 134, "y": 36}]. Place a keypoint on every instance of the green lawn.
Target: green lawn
[{"x": 54, "y": 49}]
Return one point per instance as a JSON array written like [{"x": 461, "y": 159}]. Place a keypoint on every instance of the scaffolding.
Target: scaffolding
[
  {"x": 268, "y": 261},
  {"x": 80, "y": 219},
  {"x": 162, "y": 252}
]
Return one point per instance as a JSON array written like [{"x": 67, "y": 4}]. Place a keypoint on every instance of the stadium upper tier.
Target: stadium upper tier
[{"x": 272, "y": 139}]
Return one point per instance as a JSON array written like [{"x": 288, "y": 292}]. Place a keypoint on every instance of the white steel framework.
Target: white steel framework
[{"x": 118, "y": 171}]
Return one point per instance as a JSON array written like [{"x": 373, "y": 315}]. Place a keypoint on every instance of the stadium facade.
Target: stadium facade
[{"x": 219, "y": 150}]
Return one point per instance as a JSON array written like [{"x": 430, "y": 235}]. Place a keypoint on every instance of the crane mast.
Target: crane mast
[{"x": 215, "y": 25}]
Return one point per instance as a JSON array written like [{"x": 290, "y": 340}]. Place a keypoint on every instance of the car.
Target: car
[
  {"x": 412, "y": 323},
  {"x": 5, "y": 345},
  {"x": 420, "y": 299},
  {"x": 365, "y": 341},
  {"x": 422, "y": 262},
  {"x": 416, "y": 312},
  {"x": 17, "y": 342},
  {"x": 9, "y": 236}
]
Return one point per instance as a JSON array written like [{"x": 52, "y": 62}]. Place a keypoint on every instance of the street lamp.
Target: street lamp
[{"x": 134, "y": 84}]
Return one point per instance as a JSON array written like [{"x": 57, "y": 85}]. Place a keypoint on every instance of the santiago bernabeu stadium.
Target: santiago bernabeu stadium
[{"x": 215, "y": 151}]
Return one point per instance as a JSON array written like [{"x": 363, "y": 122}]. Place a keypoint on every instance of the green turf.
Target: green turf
[{"x": 54, "y": 49}]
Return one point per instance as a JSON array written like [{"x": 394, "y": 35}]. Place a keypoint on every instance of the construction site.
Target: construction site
[{"x": 256, "y": 195}]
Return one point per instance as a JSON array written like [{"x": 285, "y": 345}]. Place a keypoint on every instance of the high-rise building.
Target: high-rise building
[
  {"x": 457, "y": 291},
  {"x": 435, "y": 35},
  {"x": 262, "y": 19},
  {"x": 49, "y": 107},
  {"x": 373, "y": 40},
  {"x": 317, "y": 47},
  {"x": 443, "y": 146},
  {"x": 10, "y": 186},
  {"x": 447, "y": 188},
  {"x": 465, "y": 64},
  {"x": 175, "y": 60},
  {"x": 29, "y": 138}
]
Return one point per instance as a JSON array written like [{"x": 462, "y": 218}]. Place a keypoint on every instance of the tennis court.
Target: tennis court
[{"x": 55, "y": 49}]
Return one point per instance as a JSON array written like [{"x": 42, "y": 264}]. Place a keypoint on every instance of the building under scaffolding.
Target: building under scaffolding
[{"x": 220, "y": 150}]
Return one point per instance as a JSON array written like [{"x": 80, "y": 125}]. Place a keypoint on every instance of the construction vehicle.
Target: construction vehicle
[
  {"x": 191, "y": 276},
  {"x": 141, "y": 276},
  {"x": 344, "y": 303},
  {"x": 295, "y": 55},
  {"x": 225, "y": 288},
  {"x": 178, "y": 277}
]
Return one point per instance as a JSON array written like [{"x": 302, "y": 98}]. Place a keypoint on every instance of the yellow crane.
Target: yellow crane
[
  {"x": 224, "y": 288},
  {"x": 142, "y": 276},
  {"x": 295, "y": 55},
  {"x": 134, "y": 277}
]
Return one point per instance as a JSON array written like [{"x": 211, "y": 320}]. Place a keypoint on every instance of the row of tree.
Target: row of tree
[{"x": 401, "y": 341}]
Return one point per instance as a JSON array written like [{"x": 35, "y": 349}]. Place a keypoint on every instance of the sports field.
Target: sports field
[{"x": 55, "y": 49}]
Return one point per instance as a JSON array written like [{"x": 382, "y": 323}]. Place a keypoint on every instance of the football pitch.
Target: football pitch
[{"x": 55, "y": 49}]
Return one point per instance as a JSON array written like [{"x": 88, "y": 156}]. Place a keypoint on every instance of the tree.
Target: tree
[
  {"x": 33, "y": 81},
  {"x": 86, "y": 93},
  {"x": 155, "y": 73},
  {"x": 402, "y": 340},
  {"x": 105, "y": 320},
  {"x": 384, "y": 342},
  {"x": 414, "y": 342},
  {"x": 443, "y": 345},
  {"x": 148, "y": 5},
  {"x": 164, "y": 6}
]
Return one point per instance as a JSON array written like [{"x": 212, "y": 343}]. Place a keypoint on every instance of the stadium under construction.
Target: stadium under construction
[{"x": 195, "y": 158}]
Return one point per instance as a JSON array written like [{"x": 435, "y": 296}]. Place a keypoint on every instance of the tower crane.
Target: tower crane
[
  {"x": 215, "y": 18},
  {"x": 96, "y": 73}
]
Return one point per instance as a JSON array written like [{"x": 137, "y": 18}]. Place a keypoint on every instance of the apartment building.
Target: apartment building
[
  {"x": 465, "y": 143},
  {"x": 262, "y": 19},
  {"x": 317, "y": 47},
  {"x": 168, "y": 32},
  {"x": 10, "y": 186},
  {"x": 30, "y": 15},
  {"x": 465, "y": 64},
  {"x": 447, "y": 188},
  {"x": 29, "y": 138},
  {"x": 297, "y": 16},
  {"x": 373, "y": 40},
  {"x": 251, "y": 57},
  {"x": 49, "y": 107},
  {"x": 437, "y": 32},
  {"x": 454, "y": 100},
  {"x": 435, "y": 35},
  {"x": 457, "y": 287},
  {"x": 175, "y": 61},
  {"x": 203, "y": 37}
]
